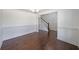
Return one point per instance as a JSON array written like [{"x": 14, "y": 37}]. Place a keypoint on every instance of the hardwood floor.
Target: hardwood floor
[{"x": 37, "y": 41}]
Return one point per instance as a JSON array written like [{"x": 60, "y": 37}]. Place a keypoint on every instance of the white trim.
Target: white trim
[
  {"x": 69, "y": 35},
  {"x": 12, "y": 32}
]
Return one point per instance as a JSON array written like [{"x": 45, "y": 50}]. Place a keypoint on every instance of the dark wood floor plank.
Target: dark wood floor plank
[{"x": 37, "y": 41}]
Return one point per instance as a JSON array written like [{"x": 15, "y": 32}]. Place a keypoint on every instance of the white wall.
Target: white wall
[
  {"x": 0, "y": 37},
  {"x": 50, "y": 15},
  {"x": 42, "y": 25},
  {"x": 16, "y": 23},
  {"x": 18, "y": 18},
  {"x": 68, "y": 26},
  {"x": 0, "y": 28},
  {"x": 51, "y": 18},
  {"x": 46, "y": 11}
]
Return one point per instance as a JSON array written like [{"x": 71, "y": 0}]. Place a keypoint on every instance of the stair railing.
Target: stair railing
[
  {"x": 47, "y": 41},
  {"x": 47, "y": 24}
]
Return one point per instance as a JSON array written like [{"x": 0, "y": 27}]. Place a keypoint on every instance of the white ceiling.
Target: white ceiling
[{"x": 39, "y": 11}]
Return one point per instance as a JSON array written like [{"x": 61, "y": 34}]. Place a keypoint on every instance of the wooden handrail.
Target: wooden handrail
[
  {"x": 46, "y": 23},
  {"x": 44, "y": 20}
]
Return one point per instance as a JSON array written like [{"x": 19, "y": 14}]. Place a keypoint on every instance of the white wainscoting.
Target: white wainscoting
[
  {"x": 12, "y": 32},
  {"x": 69, "y": 35}
]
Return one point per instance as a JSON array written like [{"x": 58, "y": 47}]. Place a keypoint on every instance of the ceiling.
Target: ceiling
[{"x": 39, "y": 11}]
